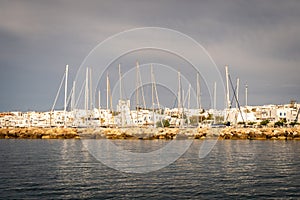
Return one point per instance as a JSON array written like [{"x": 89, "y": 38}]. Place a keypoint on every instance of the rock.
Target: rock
[
  {"x": 295, "y": 135},
  {"x": 35, "y": 136},
  {"x": 2, "y": 136},
  {"x": 162, "y": 137},
  {"x": 235, "y": 135},
  {"x": 11, "y": 134},
  {"x": 281, "y": 138},
  {"x": 242, "y": 136},
  {"x": 276, "y": 133},
  {"x": 46, "y": 137}
]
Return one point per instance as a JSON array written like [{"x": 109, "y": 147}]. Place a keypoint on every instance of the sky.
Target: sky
[{"x": 258, "y": 40}]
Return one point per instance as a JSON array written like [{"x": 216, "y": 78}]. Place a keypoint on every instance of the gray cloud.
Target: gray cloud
[{"x": 259, "y": 40}]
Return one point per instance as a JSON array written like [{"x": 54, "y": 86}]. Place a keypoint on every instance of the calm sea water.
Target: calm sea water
[{"x": 64, "y": 169}]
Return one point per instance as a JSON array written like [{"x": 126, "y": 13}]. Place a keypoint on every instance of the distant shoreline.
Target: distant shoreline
[{"x": 152, "y": 133}]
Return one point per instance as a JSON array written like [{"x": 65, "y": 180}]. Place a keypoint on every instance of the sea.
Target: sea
[{"x": 233, "y": 169}]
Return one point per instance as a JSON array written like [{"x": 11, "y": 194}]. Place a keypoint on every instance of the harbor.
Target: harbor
[
  {"x": 149, "y": 100},
  {"x": 140, "y": 116},
  {"x": 156, "y": 122}
]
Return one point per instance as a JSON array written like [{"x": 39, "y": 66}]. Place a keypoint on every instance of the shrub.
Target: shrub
[
  {"x": 264, "y": 122},
  {"x": 163, "y": 123},
  {"x": 294, "y": 123},
  {"x": 280, "y": 122}
]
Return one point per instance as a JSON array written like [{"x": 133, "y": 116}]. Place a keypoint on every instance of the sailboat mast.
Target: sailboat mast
[
  {"x": 189, "y": 101},
  {"x": 99, "y": 106},
  {"x": 120, "y": 80},
  {"x": 86, "y": 90},
  {"x": 107, "y": 92},
  {"x": 227, "y": 86},
  {"x": 215, "y": 101},
  {"x": 66, "y": 92},
  {"x": 237, "y": 91},
  {"x": 137, "y": 86},
  {"x": 155, "y": 89},
  {"x": 198, "y": 93},
  {"x": 215, "y": 95},
  {"x": 110, "y": 97},
  {"x": 137, "y": 94},
  {"x": 90, "y": 89},
  {"x": 246, "y": 95},
  {"x": 140, "y": 84},
  {"x": 152, "y": 94},
  {"x": 99, "y": 100},
  {"x": 246, "y": 103},
  {"x": 179, "y": 94},
  {"x": 121, "y": 107},
  {"x": 73, "y": 96},
  {"x": 86, "y": 94}
]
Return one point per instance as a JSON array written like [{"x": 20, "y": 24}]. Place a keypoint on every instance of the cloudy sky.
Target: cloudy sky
[{"x": 259, "y": 40}]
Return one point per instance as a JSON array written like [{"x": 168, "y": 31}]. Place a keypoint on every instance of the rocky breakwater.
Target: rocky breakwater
[
  {"x": 261, "y": 133},
  {"x": 38, "y": 133},
  {"x": 143, "y": 133},
  {"x": 147, "y": 133}
]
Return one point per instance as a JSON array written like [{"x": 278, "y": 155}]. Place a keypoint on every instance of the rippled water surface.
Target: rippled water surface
[{"x": 62, "y": 169}]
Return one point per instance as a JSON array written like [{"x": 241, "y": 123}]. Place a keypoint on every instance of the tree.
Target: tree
[
  {"x": 163, "y": 123},
  {"x": 251, "y": 123},
  {"x": 293, "y": 123},
  {"x": 280, "y": 122},
  {"x": 264, "y": 122}
]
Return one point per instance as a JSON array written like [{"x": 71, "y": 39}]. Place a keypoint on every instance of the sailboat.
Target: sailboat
[{"x": 60, "y": 117}]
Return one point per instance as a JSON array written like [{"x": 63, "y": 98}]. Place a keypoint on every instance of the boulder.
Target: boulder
[
  {"x": 281, "y": 138},
  {"x": 46, "y": 137}
]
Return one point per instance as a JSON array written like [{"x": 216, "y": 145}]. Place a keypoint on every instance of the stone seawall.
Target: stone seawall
[
  {"x": 38, "y": 133},
  {"x": 261, "y": 133},
  {"x": 144, "y": 133},
  {"x": 152, "y": 133}
]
